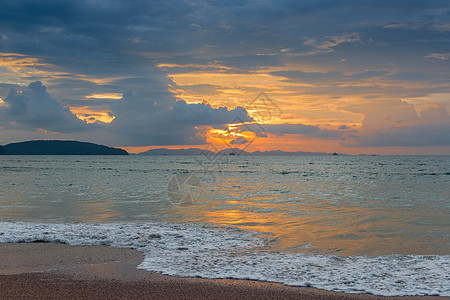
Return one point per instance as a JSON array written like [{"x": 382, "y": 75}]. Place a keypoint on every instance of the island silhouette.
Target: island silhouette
[{"x": 58, "y": 147}]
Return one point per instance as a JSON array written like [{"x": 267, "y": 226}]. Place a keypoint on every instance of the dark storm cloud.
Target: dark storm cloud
[
  {"x": 141, "y": 118},
  {"x": 142, "y": 121},
  {"x": 125, "y": 40},
  {"x": 73, "y": 91},
  {"x": 33, "y": 108},
  {"x": 67, "y": 32},
  {"x": 93, "y": 37}
]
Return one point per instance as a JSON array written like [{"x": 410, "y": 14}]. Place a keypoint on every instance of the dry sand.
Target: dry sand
[{"x": 57, "y": 271}]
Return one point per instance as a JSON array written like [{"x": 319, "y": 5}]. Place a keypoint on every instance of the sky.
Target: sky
[{"x": 346, "y": 76}]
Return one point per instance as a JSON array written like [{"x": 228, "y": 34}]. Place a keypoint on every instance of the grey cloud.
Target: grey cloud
[
  {"x": 435, "y": 113},
  {"x": 438, "y": 56},
  {"x": 384, "y": 114},
  {"x": 294, "y": 76},
  {"x": 400, "y": 125},
  {"x": 73, "y": 91},
  {"x": 4, "y": 89},
  {"x": 204, "y": 89},
  {"x": 261, "y": 130},
  {"x": 114, "y": 31},
  {"x": 282, "y": 129},
  {"x": 410, "y": 136},
  {"x": 239, "y": 141},
  {"x": 326, "y": 134},
  {"x": 33, "y": 108},
  {"x": 251, "y": 62},
  {"x": 143, "y": 119},
  {"x": 327, "y": 77},
  {"x": 127, "y": 39},
  {"x": 409, "y": 76},
  {"x": 237, "y": 64}
]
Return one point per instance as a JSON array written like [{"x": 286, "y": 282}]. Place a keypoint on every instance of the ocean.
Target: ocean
[{"x": 357, "y": 224}]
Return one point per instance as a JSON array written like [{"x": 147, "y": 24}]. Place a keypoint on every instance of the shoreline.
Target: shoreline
[{"x": 55, "y": 271}]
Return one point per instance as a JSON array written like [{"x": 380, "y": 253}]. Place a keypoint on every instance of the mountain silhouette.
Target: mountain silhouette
[{"x": 227, "y": 151}]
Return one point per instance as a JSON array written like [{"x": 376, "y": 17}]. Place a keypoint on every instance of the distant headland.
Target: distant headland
[
  {"x": 58, "y": 147},
  {"x": 230, "y": 151}
]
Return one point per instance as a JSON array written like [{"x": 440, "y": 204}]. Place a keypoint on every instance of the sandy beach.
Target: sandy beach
[{"x": 57, "y": 271}]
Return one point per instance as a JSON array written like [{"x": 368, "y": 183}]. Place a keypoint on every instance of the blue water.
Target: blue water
[{"x": 345, "y": 223}]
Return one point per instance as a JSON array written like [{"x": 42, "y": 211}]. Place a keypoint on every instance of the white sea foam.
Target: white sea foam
[{"x": 203, "y": 251}]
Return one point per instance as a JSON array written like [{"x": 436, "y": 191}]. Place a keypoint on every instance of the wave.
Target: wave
[{"x": 195, "y": 250}]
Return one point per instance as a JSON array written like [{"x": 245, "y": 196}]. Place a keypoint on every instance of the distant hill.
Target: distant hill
[
  {"x": 228, "y": 151},
  {"x": 56, "y": 147},
  {"x": 164, "y": 151},
  {"x": 283, "y": 153}
]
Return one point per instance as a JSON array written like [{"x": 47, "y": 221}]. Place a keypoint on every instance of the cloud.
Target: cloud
[
  {"x": 282, "y": 129},
  {"x": 438, "y": 56},
  {"x": 175, "y": 125},
  {"x": 153, "y": 117},
  {"x": 408, "y": 136},
  {"x": 434, "y": 113},
  {"x": 251, "y": 62},
  {"x": 398, "y": 124},
  {"x": 331, "y": 77},
  {"x": 142, "y": 118},
  {"x": 83, "y": 47},
  {"x": 203, "y": 89},
  {"x": 313, "y": 47},
  {"x": 262, "y": 130},
  {"x": 384, "y": 114},
  {"x": 32, "y": 108}
]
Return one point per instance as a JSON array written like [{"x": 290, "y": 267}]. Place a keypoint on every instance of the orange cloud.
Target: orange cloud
[
  {"x": 294, "y": 99},
  {"x": 115, "y": 96},
  {"x": 230, "y": 137},
  {"x": 19, "y": 68},
  {"x": 91, "y": 114}
]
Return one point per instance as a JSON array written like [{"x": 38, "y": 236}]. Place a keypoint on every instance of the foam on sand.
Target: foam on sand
[{"x": 189, "y": 250}]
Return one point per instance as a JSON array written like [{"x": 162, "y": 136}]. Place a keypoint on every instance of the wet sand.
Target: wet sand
[{"x": 57, "y": 271}]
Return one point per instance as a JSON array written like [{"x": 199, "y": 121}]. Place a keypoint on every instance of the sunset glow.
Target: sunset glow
[
  {"x": 105, "y": 96},
  {"x": 298, "y": 149},
  {"x": 371, "y": 82},
  {"x": 89, "y": 116}
]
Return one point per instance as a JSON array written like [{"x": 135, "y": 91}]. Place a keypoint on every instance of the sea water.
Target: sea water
[{"x": 345, "y": 223}]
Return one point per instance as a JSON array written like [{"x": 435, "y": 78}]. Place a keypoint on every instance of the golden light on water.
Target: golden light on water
[
  {"x": 98, "y": 211},
  {"x": 315, "y": 228}
]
